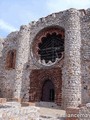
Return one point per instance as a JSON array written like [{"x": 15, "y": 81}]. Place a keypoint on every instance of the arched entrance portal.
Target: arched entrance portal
[{"x": 48, "y": 91}]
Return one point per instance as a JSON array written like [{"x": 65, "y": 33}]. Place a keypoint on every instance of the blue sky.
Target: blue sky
[{"x": 14, "y": 13}]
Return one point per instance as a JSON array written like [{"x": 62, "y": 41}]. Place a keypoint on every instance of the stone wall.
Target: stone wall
[
  {"x": 84, "y": 112},
  {"x": 72, "y": 61},
  {"x": 7, "y": 75},
  {"x": 54, "y": 21},
  {"x": 21, "y": 61},
  {"x": 75, "y": 65},
  {"x": 85, "y": 56},
  {"x": 14, "y": 111},
  {"x": 79, "y": 113},
  {"x": 37, "y": 79}
]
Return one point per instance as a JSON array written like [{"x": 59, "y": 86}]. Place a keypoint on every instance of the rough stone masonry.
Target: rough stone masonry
[{"x": 48, "y": 60}]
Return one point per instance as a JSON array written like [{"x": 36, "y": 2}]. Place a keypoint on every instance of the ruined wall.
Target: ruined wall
[
  {"x": 37, "y": 79},
  {"x": 84, "y": 112},
  {"x": 7, "y": 75},
  {"x": 24, "y": 60},
  {"x": 1, "y": 56},
  {"x": 75, "y": 65},
  {"x": 54, "y": 21},
  {"x": 21, "y": 82},
  {"x": 72, "y": 64},
  {"x": 15, "y": 111},
  {"x": 85, "y": 56},
  {"x": 79, "y": 113}
]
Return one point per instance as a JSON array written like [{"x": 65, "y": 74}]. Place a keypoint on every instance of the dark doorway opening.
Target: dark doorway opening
[{"x": 48, "y": 92}]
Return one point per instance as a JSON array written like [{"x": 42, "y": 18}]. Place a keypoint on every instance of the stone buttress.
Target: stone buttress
[{"x": 21, "y": 59}]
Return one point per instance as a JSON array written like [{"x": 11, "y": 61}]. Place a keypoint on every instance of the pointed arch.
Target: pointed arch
[{"x": 48, "y": 91}]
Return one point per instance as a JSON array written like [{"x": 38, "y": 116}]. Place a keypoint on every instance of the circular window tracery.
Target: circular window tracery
[
  {"x": 51, "y": 47},
  {"x": 48, "y": 46}
]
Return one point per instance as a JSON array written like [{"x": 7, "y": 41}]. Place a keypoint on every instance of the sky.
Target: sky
[{"x": 14, "y": 13}]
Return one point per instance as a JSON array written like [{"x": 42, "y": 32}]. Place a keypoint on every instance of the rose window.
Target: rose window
[{"x": 49, "y": 46}]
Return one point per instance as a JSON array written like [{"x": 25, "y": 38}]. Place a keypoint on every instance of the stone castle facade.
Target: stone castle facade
[{"x": 48, "y": 60}]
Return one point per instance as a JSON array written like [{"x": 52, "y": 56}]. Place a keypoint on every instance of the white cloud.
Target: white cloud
[
  {"x": 58, "y": 5},
  {"x": 6, "y": 27}
]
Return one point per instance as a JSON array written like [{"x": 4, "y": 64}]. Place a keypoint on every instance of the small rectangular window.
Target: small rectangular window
[{"x": 11, "y": 59}]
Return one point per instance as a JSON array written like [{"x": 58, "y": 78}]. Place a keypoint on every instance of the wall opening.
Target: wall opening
[
  {"x": 48, "y": 91},
  {"x": 11, "y": 59},
  {"x": 51, "y": 47}
]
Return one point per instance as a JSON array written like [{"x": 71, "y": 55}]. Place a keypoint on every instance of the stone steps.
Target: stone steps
[
  {"x": 17, "y": 111},
  {"x": 51, "y": 114},
  {"x": 47, "y": 105}
]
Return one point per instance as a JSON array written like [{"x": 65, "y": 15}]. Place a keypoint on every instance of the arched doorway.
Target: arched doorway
[{"x": 48, "y": 91}]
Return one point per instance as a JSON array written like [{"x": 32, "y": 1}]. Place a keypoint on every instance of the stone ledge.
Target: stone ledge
[
  {"x": 23, "y": 104},
  {"x": 3, "y": 100},
  {"x": 13, "y": 99}
]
